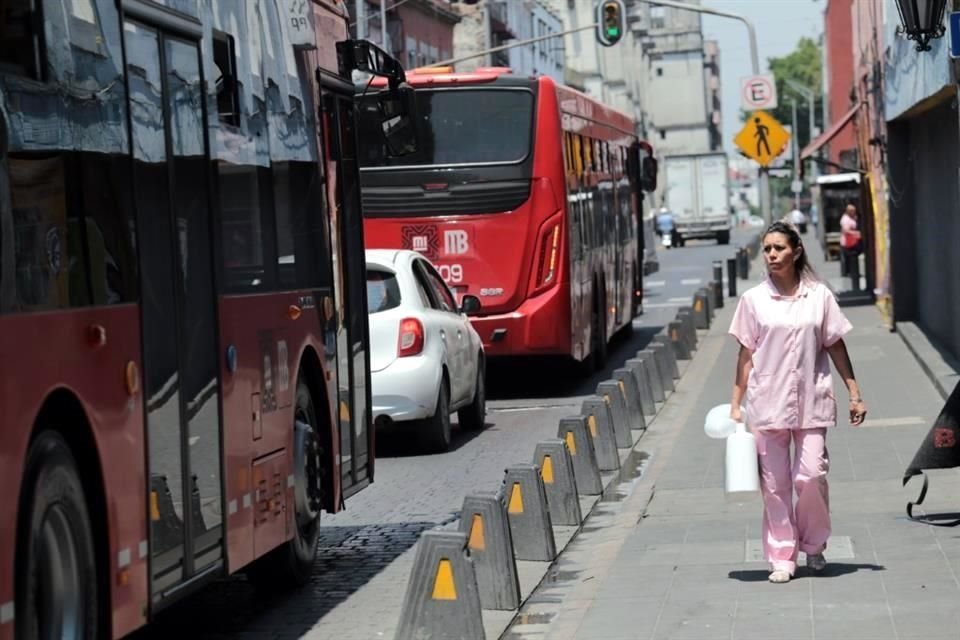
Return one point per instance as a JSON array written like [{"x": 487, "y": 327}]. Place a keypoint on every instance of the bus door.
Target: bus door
[
  {"x": 343, "y": 185},
  {"x": 181, "y": 385}
]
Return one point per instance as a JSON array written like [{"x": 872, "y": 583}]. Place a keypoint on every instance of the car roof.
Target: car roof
[{"x": 390, "y": 258}]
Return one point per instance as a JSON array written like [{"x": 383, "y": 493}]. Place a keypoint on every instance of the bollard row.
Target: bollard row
[{"x": 458, "y": 574}]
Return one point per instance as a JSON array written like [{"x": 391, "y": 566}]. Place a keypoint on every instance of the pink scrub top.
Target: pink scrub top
[{"x": 790, "y": 386}]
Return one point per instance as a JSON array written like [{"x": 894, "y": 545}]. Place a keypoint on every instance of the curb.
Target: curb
[{"x": 942, "y": 369}]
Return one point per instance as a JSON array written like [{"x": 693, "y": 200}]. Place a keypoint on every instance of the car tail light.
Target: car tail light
[
  {"x": 548, "y": 260},
  {"x": 410, "y": 341}
]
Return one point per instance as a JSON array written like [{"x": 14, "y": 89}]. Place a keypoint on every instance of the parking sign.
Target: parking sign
[{"x": 758, "y": 92}]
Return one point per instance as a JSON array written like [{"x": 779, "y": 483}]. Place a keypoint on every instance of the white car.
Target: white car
[{"x": 426, "y": 360}]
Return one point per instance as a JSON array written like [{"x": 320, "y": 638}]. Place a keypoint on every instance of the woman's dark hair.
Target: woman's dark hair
[{"x": 802, "y": 265}]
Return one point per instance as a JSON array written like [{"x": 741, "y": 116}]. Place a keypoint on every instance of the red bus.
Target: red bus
[
  {"x": 523, "y": 193},
  {"x": 183, "y": 330}
]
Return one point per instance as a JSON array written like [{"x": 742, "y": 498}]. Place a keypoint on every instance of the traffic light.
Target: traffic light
[{"x": 611, "y": 20}]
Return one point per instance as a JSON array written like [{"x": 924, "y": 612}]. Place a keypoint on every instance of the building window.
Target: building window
[
  {"x": 663, "y": 134},
  {"x": 659, "y": 71},
  {"x": 21, "y": 39},
  {"x": 658, "y": 17},
  {"x": 228, "y": 93}
]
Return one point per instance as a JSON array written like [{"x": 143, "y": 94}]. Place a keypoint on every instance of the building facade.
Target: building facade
[
  {"x": 711, "y": 65},
  {"x": 838, "y": 68},
  {"x": 533, "y": 19},
  {"x": 419, "y": 32},
  {"x": 923, "y": 155}
]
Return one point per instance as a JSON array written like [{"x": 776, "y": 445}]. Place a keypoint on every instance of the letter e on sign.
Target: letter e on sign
[{"x": 758, "y": 92}]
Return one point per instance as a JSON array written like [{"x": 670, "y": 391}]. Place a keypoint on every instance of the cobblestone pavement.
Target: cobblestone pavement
[{"x": 366, "y": 552}]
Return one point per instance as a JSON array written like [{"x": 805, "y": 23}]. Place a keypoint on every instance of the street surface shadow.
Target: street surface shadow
[
  {"x": 348, "y": 558},
  {"x": 833, "y": 570},
  {"x": 542, "y": 378},
  {"x": 402, "y": 441}
]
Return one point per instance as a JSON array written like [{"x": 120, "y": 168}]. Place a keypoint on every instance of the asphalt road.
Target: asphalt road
[{"x": 366, "y": 551}]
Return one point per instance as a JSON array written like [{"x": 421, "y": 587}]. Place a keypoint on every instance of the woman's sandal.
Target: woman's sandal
[{"x": 779, "y": 576}]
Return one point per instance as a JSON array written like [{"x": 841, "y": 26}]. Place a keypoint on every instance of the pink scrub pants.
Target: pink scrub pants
[{"x": 805, "y": 527}]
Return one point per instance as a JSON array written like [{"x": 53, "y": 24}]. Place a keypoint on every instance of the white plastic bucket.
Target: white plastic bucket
[
  {"x": 718, "y": 423},
  {"x": 742, "y": 472}
]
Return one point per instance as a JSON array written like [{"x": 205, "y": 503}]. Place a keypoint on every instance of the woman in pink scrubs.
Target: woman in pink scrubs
[{"x": 786, "y": 328}]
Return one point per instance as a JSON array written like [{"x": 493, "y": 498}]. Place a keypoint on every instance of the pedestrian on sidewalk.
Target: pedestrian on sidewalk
[
  {"x": 851, "y": 244},
  {"x": 787, "y": 327}
]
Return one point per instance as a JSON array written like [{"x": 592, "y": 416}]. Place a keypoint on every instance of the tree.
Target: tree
[{"x": 804, "y": 66}]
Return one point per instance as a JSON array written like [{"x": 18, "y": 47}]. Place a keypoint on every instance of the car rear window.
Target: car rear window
[{"x": 383, "y": 292}]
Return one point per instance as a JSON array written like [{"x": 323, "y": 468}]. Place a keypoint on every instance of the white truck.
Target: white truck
[{"x": 698, "y": 195}]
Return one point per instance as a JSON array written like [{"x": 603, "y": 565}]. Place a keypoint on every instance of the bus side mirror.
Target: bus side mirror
[
  {"x": 648, "y": 177},
  {"x": 397, "y": 119}
]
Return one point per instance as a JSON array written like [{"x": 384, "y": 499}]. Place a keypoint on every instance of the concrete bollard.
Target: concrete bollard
[
  {"x": 663, "y": 365},
  {"x": 681, "y": 349},
  {"x": 528, "y": 514},
  {"x": 743, "y": 263},
  {"x": 600, "y": 426},
  {"x": 708, "y": 296},
  {"x": 484, "y": 520},
  {"x": 718, "y": 284},
  {"x": 573, "y": 431},
  {"x": 556, "y": 468},
  {"x": 653, "y": 371},
  {"x": 685, "y": 315},
  {"x": 701, "y": 313},
  {"x": 631, "y": 392},
  {"x": 641, "y": 372},
  {"x": 615, "y": 396},
  {"x": 442, "y": 599},
  {"x": 670, "y": 356}
]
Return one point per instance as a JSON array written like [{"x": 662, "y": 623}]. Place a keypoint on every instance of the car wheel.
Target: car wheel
[
  {"x": 291, "y": 564},
  {"x": 56, "y": 570},
  {"x": 473, "y": 417},
  {"x": 436, "y": 429}
]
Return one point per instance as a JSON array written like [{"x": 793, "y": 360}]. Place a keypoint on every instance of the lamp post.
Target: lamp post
[
  {"x": 921, "y": 20},
  {"x": 811, "y": 96}
]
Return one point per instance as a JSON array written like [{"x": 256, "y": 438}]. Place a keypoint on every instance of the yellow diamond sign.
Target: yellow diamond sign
[{"x": 762, "y": 138}]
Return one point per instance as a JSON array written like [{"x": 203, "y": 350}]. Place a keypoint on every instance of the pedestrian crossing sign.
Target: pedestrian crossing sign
[{"x": 762, "y": 138}]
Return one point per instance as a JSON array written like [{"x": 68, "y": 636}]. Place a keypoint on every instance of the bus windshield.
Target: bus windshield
[{"x": 455, "y": 127}]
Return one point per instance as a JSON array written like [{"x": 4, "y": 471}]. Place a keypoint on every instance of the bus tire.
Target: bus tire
[
  {"x": 291, "y": 564},
  {"x": 435, "y": 431},
  {"x": 599, "y": 350},
  {"x": 473, "y": 417},
  {"x": 56, "y": 569}
]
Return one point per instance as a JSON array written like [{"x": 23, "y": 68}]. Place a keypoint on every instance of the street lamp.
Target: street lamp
[{"x": 921, "y": 20}]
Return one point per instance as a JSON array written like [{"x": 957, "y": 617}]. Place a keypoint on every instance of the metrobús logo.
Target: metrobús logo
[{"x": 422, "y": 238}]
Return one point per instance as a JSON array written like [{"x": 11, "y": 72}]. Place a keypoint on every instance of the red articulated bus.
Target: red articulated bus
[
  {"x": 525, "y": 194},
  {"x": 183, "y": 325}
]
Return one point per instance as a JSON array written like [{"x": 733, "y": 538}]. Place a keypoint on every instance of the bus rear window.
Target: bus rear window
[
  {"x": 456, "y": 126},
  {"x": 383, "y": 292}
]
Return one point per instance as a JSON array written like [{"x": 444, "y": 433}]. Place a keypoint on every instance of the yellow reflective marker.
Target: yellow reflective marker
[
  {"x": 547, "y": 470},
  {"x": 606, "y": 398},
  {"x": 592, "y": 423},
  {"x": 674, "y": 335},
  {"x": 154, "y": 506},
  {"x": 443, "y": 585},
  {"x": 698, "y": 305},
  {"x": 571, "y": 443},
  {"x": 477, "y": 541},
  {"x": 516, "y": 499},
  {"x": 623, "y": 389}
]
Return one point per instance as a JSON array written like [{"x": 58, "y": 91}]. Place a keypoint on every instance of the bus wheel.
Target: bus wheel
[
  {"x": 599, "y": 332},
  {"x": 292, "y": 564},
  {"x": 436, "y": 429},
  {"x": 56, "y": 572}
]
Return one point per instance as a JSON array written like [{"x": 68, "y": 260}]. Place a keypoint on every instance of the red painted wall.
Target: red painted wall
[{"x": 838, "y": 27}]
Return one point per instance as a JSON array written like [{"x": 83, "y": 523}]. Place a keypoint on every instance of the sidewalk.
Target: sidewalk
[{"x": 668, "y": 557}]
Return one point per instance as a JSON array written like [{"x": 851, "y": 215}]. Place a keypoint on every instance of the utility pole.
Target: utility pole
[
  {"x": 383, "y": 26},
  {"x": 796, "y": 156},
  {"x": 361, "y": 19},
  {"x": 811, "y": 96}
]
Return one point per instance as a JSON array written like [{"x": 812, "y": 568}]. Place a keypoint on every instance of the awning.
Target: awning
[{"x": 830, "y": 133}]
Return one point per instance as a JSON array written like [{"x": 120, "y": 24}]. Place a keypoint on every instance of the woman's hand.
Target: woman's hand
[
  {"x": 735, "y": 413},
  {"x": 858, "y": 411}
]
